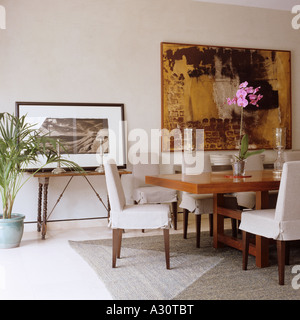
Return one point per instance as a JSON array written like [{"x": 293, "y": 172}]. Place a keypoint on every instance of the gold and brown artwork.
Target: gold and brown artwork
[{"x": 198, "y": 79}]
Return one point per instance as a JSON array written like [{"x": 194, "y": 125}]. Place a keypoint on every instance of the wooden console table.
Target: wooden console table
[{"x": 44, "y": 180}]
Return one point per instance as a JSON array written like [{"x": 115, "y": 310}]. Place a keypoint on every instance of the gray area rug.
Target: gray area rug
[{"x": 196, "y": 273}]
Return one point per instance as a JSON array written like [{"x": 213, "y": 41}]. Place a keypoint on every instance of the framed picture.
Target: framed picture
[
  {"x": 196, "y": 81},
  {"x": 80, "y": 127}
]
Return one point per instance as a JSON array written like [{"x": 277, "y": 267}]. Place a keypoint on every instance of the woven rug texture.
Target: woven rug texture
[{"x": 201, "y": 273}]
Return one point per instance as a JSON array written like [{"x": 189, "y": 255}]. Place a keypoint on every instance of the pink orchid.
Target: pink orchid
[
  {"x": 241, "y": 96},
  {"x": 231, "y": 101},
  {"x": 243, "y": 85},
  {"x": 256, "y": 89},
  {"x": 249, "y": 90},
  {"x": 241, "y": 93},
  {"x": 241, "y": 102},
  {"x": 252, "y": 97}
]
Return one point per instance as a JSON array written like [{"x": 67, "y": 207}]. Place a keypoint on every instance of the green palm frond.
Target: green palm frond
[{"x": 20, "y": 145}]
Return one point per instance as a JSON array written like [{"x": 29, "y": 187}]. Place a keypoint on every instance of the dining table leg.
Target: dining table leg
[
  {"x": 262, "y": 243},
  {"x": 218, "y": 220},
  {"x": 261, "y": 249}
]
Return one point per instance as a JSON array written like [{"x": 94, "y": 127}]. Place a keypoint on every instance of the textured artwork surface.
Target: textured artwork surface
[
  {"x": 197, "y": 80},
  {"x": 77, "y": 135}
]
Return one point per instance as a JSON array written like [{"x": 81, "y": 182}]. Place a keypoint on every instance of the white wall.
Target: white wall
[{"x": 109, "y": 51}]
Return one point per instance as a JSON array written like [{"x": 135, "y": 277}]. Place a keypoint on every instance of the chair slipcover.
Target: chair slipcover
[
  {"x": 154, "y": 194},
  {"x": 248, "y": 199},
  {"x": 283, "y": 222},
  {"x": 122, "y": 216},
  {"x": 147, "y": 216},
  {"x": 196, "y": 203},
  {"x": 143, "y": 193},
  {"x": 291, "y": 156}
]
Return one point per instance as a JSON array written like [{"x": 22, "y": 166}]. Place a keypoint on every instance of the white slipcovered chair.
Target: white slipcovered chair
[
  {"x": 200, "y": 203},
  {"x": 122, "y": 216},
  {"x": 291, "y": 156},
  {"x": 196, "y": 203},
  {"x": 281, "y": 223},
  {"x": 248, "y": 199},
  {"x": 143, "y": 193}
]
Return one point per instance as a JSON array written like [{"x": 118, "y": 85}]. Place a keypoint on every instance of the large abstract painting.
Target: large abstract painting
[{"x": 197, "y": 80}]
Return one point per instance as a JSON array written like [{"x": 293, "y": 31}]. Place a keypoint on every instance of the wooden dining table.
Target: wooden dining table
[{"x": 221, "y": 184}]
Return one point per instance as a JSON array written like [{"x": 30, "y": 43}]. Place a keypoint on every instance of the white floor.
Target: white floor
[{"x": 51, "y": 269}]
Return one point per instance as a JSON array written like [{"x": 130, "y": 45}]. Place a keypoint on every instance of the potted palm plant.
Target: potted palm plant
[{"x": 20, "y": 145}]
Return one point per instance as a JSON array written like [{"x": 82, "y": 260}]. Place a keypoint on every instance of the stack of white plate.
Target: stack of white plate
[{"x": 220, "y": 159}]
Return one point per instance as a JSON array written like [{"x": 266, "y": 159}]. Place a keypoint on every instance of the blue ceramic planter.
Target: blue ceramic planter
[{"x": 11, "y": 231}]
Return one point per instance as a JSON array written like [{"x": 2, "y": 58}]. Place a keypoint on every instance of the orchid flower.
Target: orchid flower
[
  {"x": 243, "y": 84},
  {"x": 243, "y": 97},
  {"x": 241, "y": 102},
  {"x": 241, "y": 93},
  {"x": 231, "y": 101}
]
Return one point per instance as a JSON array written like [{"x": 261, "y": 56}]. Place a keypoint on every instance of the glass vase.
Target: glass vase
[
  {"x": 279, "y": 135},
  {"x": 238, "y": 168}
]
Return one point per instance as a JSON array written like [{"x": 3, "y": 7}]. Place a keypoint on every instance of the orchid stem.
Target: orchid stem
[{"x": 241, "y": 128}]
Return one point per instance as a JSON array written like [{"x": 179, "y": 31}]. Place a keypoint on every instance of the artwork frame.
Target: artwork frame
[
  {"x": 196, "y": 79},
  {"x": 78, "y": 126}
]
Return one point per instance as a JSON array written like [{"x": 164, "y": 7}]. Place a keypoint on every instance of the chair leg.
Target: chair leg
[
  {"x": 198, "y": 229},
  {"x": 281, "y": 260},
  {"x": 119, "y": 243},
  {"x": 245, "y": 244},
  {"x": 211, "y": 224},
  {"x": 115, "y": 244},
  {"x": 174, "y": 211},
  {"x": 185, "y": 222},
  {"x": 167, "y": 247},
  {"x": 287, "y": 253}
]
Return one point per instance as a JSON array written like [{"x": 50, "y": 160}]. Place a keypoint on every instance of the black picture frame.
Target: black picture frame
[{"x": 77, "y": 126}]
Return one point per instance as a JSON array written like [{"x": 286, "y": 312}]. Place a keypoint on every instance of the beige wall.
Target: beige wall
[{"x": 109, "y": 51}]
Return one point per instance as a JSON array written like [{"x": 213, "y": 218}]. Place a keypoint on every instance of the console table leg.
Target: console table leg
[
  {"x": 45, "y": 202},
  {"x": 39, "y": 213}
]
